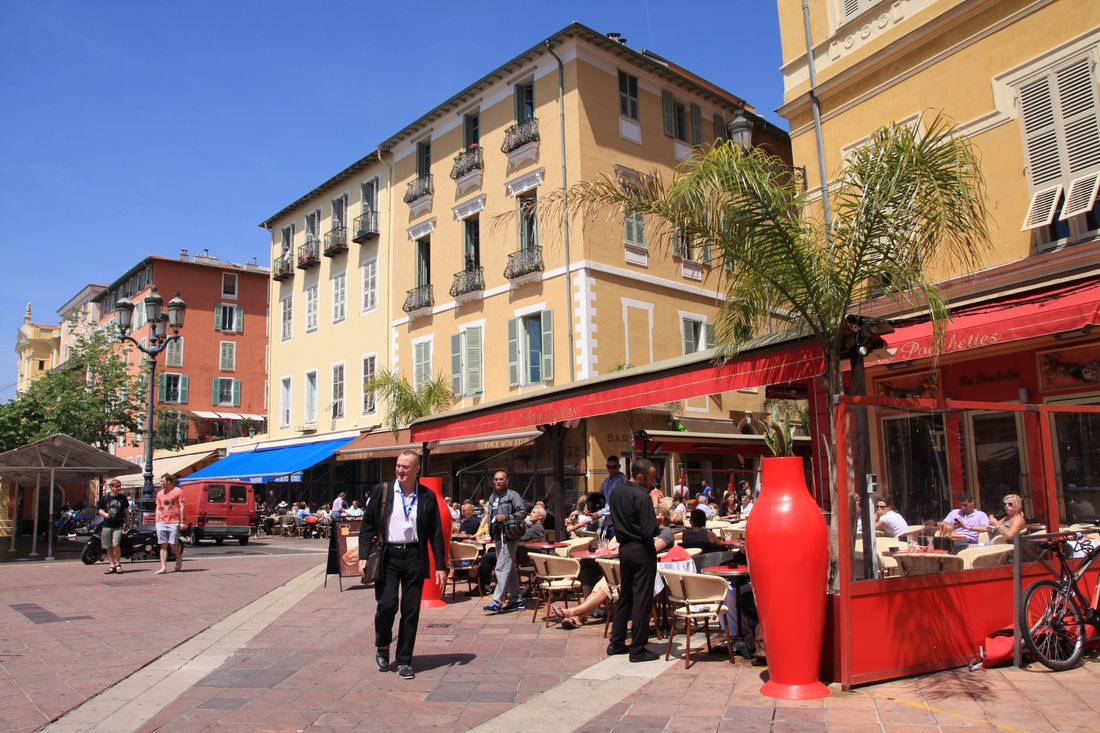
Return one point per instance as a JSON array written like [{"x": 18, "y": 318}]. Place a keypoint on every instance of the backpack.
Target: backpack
[{"x": 996, "y": 651}]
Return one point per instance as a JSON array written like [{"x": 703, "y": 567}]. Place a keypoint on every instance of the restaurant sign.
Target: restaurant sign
[{"x": 920, "y": 348}]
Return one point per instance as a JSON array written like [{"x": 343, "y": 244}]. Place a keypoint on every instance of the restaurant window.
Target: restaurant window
[
  {"x": 998, "y": 465},
  {"x": 466, "y": 361},
  {"x": 1076, "y": 437},
  {"x": 917, "y": 478},
  {"x": 531, "y": 349}
]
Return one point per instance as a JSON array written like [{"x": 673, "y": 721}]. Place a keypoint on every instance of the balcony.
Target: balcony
[
  {"x": 466, "y": 171},
  {"x": 419, "y": 301},
  {"x": 336, "y": 241},
  {"x": 365, "y": 226},
  {"x": 309, "y": 254},
  {"x": 524, "y": 264},
  {"x": 282, "y": 268},
  {"x": 419, "y": 194},
  {"x": 468, "y": 284},
  {"x": 521, "y": 141}
]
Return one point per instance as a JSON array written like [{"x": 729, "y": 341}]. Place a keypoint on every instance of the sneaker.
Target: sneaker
[
  {"x": 516, "y": 605},
  {"x": 645, "y": 655},
  {"x": 494, "y": 607},
  {"x": 405, "y": 672}
]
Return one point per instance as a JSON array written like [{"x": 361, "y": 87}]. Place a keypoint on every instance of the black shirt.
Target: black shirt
[
  {"x": 632, "y": 514},
  {"x": 116, "y": 507},
  {"x": 469, "y": 525}
]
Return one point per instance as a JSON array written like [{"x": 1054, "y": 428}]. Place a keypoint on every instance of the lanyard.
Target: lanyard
[{"x": 407, "y": 507}]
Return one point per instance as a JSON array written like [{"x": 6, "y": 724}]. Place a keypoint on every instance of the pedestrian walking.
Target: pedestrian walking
[
  {"x": 635, "y": 528},
  {"x": 169, "y": 517},
  {"x": 114, "y": 507},
  {"x": 505, "y": 504},
  {"x": 615, "y": 479},
  {"x": 405, "y": 519}
]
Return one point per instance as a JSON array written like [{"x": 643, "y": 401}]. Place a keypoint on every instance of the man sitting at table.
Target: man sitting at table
[
  {"x": 468, "y": 521},
  {"x": 697, "y": 535},
  {"x": 703, "y": 504},
  {"x": 966, "y": 521},
  {"x": 354, "y": 511}
]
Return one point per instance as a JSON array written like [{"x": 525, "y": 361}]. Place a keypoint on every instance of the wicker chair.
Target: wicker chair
[
  {"x": 555, "y": 577},
  {"x": 695, "y": 597},
  {"x": 613, "y": 575},
  {"x": 465, "y": 558}
]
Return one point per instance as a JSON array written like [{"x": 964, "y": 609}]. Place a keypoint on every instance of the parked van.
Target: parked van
[{"x": 219, "y": 509}]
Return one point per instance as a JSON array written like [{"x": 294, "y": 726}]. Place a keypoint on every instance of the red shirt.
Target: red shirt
[{"x": 169, "y": 505}]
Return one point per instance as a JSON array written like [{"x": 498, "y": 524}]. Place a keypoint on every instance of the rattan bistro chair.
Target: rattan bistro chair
[
  {"x": 695, "y": 597},
  {"x": 465, "y": 558},
  {"x": 555, "y": 577}
]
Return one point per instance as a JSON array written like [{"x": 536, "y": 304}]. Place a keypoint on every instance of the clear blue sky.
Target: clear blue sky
[{"x": 133, "y": 128}]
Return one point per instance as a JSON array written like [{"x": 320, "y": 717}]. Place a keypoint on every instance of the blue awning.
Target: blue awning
[{"x": 278, "y": 463}]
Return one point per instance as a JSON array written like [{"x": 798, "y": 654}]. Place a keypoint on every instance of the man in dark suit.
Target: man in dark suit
[
  {"x": 635, "y": 529},
  {"x": 405, "y": 519}
]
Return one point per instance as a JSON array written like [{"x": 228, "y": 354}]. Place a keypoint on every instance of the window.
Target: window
[
  {"x": 311, "y": 308},
  {"x": 682, "y": 121},
  {"x": 337, "y": 391},
  {"x": 339, "y": 309},
  {"x": 423, "y": 262},
  {"x": 173, "y": 353},
  {"x": 227, "y": 358},
  {"x": 369, "y": 272},
  {"x": 697, "y": 334},
  {"x": 285, "y": 397},
  {"x": 287, "y": 312},
  {"x": 313, "y": 225},
  {"x": 686, "y": 248},
  {"x": 466, "y": 361},
  {"x": 286, "y": 243},
  {"x": 471, "y": 236},
  {"x": 525, "y": 101},
  {"x": 367, "y": 192},
  {"x": 311, "y": 398},
  {"x": 634, "y": 229},
  {"x": 229, "y": 285},
  {"x": 422, "y": 363},
  {"x": 227, "y": 391},
  {"x": 339, "y": 212},
  {"x": 423, "y": 158},
  {"x": 172, "y": 388},
  {"x": 229, "y": 318},
  {"x": 471, "y": 129},
  {"x": 851, "y": 8},
  {"x": 368, "y": 372},
  {"x": 628, "y": 95},
  {"x": 531, "y": 349},
  {"x": 719, "y": 127},
  {"x": 528, "y": 220}
]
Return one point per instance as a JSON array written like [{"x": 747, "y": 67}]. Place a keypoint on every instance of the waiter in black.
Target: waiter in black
[
  {"x": 635, "y": 527},
  {"x": 405, "y": 518}
]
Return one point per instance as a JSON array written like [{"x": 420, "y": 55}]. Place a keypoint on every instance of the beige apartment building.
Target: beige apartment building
[{"x": 36, "y": 345}]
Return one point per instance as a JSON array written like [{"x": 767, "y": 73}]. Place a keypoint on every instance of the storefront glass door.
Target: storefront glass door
[
  {"x": 1077, "y": 465},
  {"x": 916, "y": 466},
  {"x": 997, "y": 465}
]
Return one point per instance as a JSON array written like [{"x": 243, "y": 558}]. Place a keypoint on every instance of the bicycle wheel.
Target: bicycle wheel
[{"x": 1051, "y": 626}]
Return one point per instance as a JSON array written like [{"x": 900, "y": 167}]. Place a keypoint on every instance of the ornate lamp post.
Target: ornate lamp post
[{"x": 159, "y": 338}]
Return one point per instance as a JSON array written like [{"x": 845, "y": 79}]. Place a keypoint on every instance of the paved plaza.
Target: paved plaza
[{"x": 255, "y": 643}]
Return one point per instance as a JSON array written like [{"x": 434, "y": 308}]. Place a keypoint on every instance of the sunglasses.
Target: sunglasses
[{"x": 880, "y": 506}]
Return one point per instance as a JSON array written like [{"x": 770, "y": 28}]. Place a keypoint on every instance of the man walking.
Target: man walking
[
  {"x": 505, "y": 504},
  {"x": 614, "y": 480},
  {"x": 114, "y": 507},
  {"x": 635, "y": 528},
  {"x": 405, "y": 519},
  {"x": 169, "y": 517}
]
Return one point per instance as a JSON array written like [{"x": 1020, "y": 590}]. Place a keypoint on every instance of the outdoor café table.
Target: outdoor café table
[
  {"x": 595, "y": 554},
  {"x": 540, "y": 546},
  {"x": 735, "y": 576},
  {"x": 926, "y": 562}
]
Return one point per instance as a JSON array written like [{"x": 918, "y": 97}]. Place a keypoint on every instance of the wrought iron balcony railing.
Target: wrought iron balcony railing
[
  {"x": 419, "y": 298},
  {"x": 470, "y": 280},
  {"x": 419, "y": 188},
  {"x": 520, "y": 134},
  {"x": 524, "y": 262},
  {"x": 466, "y": 162},
  {"x": 283, "y": 267},
  {"x": 309, "y": 254},
  {"x": 336, "y": 241},
  {"x": 365, "y": 226}
]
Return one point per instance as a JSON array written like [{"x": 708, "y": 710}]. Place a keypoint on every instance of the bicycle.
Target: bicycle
[{"x": 1054, "y": 613}]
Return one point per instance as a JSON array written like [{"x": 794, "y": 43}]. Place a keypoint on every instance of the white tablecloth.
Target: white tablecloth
[{"x": 683, "y": 566}]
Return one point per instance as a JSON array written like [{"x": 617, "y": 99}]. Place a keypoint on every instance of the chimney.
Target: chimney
[
  {"x": 184, "y": 255},
  {"x": 617, "y": 37}
]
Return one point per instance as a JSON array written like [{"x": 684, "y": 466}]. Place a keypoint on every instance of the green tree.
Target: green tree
[
  {"x": 907, "y": 205},
  {"x": 405, "y": 404}
]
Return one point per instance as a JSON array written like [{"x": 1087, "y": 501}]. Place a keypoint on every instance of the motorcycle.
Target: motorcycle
[
  {"x": 71, "y": 521},
  {"x": 137, "y": 544}
]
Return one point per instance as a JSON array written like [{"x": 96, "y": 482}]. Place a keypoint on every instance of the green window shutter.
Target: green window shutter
[
  {"x": 696, "y": 125},
  {"x": 639, "y": 228},
  {"x": 708, "y": 331},
  {"x": 214, "y": 390},
  {"x": 628, "y": 227},
  {"x": 473, "y": 361},
  {"x": 217, "y": 316},
  {"x": 236, "y": 393},
  {"x": 456, "y": 363},
  {"x": 678, "y": 243},
  {"x": 719, "y": 127},
  {"x": 513, "y": 352},
  {"x": 687, "y": 326},
  {"x": 547, "y": 346},
  {"x": 160, "y": 388},
  {"x": 668, "y": 110},
  {"x": 239, "y": 321},
  {"x": 705, "y": 250},
  {"x": 183, "y": 388}
]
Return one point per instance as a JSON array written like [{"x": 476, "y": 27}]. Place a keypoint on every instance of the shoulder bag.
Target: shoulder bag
[{"x": 372, "y": 573}]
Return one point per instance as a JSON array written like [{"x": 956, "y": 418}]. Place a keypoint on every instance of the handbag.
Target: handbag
[
  {"x": 372, "y": 573},
  {"x": 513, "y": 529}
]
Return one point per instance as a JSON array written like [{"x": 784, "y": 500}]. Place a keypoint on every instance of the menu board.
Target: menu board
[{"x": 343, "y": 559}]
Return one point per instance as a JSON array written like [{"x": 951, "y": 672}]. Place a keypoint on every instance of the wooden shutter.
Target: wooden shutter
[
  {"x": 456, "y": 363},
  {"x": 239, "y": 320},
  {"x": 1044, "y": 163},
  {"x": 160, "y": 388},
  {"x": 708, "y": 334},
  {"x": 214, "y": 385},
  {"x": 719, "y": 127},
  {"x": 1081, "y": 195},
  {"x": 474, "y": 382},
  {"x": 547, "y": 346},
  {"x": 183, "y": 387},
  {"x": 513, "y": 352},
  {"x": 668, "y": 110},
  {"x": 217, "y": 316},
  {"x": 678, "y": 243},
  {"x": 687, "y": 327},
  {"x": 236, "y": 393},
  {"x": 696, "y": 125},
  {"x": 1080, "y": 115},
  {"x": 1044, "y": 202}
]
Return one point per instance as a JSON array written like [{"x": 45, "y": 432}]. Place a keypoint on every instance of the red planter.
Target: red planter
[
  {"x": 432, "y": 595},
  {"x": 787, "y": 544}
]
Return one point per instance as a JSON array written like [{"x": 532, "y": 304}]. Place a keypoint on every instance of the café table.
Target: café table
[
  {"x": 926, "y": 562},
  {"x": 540, "y": 546},
  {"x": 735, "y": 576}
]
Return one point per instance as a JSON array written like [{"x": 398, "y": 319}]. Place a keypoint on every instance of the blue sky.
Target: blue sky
[{"x": 134, "y": 128}]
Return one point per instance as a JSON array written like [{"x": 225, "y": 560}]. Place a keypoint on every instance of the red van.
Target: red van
[{"x": 219, "y": 509}]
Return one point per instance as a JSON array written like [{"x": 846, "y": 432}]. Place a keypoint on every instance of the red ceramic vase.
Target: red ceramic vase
[
  {"x": 787, "y": 544},
  {"x": 431, "y": 596}
]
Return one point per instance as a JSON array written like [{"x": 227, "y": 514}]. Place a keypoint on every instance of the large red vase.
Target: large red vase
[
  {"x": 787, "y": 544},
  {"x": 431, "y": 595}
]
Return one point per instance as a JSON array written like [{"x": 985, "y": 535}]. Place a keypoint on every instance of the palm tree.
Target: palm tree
[
  {"x": 405, "y": 404},
  {"x": 906, "y": 206}
]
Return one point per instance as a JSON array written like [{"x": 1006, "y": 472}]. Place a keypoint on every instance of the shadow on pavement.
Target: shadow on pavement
[{"x": 435, "y": 661}]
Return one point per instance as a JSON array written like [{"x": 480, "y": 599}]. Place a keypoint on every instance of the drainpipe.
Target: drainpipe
[
  {"x": 816, "y": 107},
  {"x": 565, "y": 212}
]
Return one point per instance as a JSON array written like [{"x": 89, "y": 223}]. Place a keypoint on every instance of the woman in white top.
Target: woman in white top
[{"x": 746, "y": 505}]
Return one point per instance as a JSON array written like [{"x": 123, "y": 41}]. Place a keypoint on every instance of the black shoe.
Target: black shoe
[
  {"x": 405, "y": 672},
  {"x": 383, "y": 660},
  {"x": 645, "y": 655},
  {"x": 612, "y": 650}
]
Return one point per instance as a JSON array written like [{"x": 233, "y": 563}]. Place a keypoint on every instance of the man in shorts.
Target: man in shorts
[
  {"x": 169, "y": 517},
  {"x": 114, "y": 507}
]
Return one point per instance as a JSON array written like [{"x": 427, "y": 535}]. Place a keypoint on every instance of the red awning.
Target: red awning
[
  {"x": 628, "y": 390},
  {"x": 1023, "y": 316}
]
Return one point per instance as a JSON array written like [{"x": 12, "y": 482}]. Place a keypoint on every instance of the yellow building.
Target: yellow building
[{"x": 37, "y": 347}]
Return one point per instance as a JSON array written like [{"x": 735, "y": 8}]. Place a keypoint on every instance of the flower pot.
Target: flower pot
[{"x": 787, "y": 544}]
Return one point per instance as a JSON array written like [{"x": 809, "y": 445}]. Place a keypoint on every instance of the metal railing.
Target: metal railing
[
  {"x": 520, "y": 134},
  {"x": 419, "y": 188},
  {"x": 468, "y": 281},
  {"x": 309, "y": 254},
  {"x": 524, "y": 262},
  {"x": 466, "y": 162},
  {"x": 419, "y": 298},
  {"x": 283, "y": 267},
  {"x": 336, "y": 241},
  {"x": 365, "y": 226}
]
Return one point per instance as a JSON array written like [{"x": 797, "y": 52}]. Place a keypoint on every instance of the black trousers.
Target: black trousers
[
  {"x": 638, "y": 569},
  {"x": 401, "y": 569}
]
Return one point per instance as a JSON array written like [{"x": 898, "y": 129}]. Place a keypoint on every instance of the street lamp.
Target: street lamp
[
  {"x": 741, "y": 129},
  {"x": 159, "y": 323}
]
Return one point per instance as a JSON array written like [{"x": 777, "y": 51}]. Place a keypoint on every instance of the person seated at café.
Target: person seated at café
[
  {"x": 731, "y": 507},
  {"x": 697, "y": 535},
  {"x": 888, "y": 520},
  {"x": 578, "y": 519},
  {"x": 354, "y": 511},
  {"x": 702, "y": 503},
  {"x": 536, "y": 529},
  {"x": 678, "y": 503},
  {"x": 1013, "y": 523},
  {"x": 468, "y": 521},
  {"x": 746, "y": 505},
  {"x": 966, "y": 521},
  {"x": 549, "y": 522}
]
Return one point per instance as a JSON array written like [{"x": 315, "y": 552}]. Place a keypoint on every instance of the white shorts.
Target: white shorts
[{"x": 168, "y": 534}]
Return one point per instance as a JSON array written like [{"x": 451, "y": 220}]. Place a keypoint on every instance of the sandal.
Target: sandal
[
  {"x": 569, "y": 624},
  {"x": 109, "y": 570},
  {"x": 118, "y": 569}
]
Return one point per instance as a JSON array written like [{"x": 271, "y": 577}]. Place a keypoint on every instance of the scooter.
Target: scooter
[{"x": 137, "y": 544}]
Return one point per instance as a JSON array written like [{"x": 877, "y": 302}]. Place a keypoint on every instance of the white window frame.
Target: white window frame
[
  {"x": 523, "y": 347},
  {"x": 236, "y": 285},
  {"x": 309, "y": 403},
  {"x": 286, "y": 400},
  {"x": 221, "y": 356},
  {"x": 368, "y": 403},
  {"x": 418, "y": 347},
  {"x": 286, "y": 314},
  {"x": 368, "y": 278},
  {"x": 312, "y": 318},
  {"x": 339, "y": 297},
  {"x": 339, "y": 390},
  {"x": 286, "y": 240},
  {"x": 179, "y": 385},
  {"x": 221, "y": 381},
  {"x": 705, "y": 337}
]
